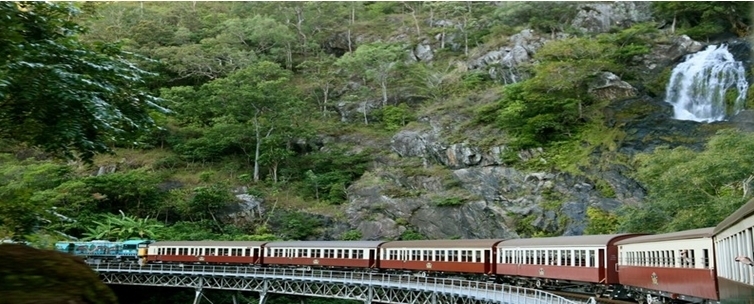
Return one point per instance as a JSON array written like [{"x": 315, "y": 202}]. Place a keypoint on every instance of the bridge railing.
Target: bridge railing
[{"x": 441, "y": 285}]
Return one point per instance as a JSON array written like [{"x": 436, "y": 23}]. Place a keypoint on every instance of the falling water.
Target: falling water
[{"x": 698, "y": 86}]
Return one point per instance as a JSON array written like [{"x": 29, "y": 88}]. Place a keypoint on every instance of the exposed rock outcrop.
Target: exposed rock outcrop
[
  {"x": 502, "y": 63},
  {"x": 599, "y": 17},
  {"x": 459, "y": 155},
  {"x": 608, "y": 86},
  {"x": 553, "y": 203}
]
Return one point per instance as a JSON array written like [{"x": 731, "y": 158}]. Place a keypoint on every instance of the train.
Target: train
[{"x": 708, "y": 265}]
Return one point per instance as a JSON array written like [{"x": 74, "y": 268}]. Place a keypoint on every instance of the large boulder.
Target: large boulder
[{"x": 29, "y": 275}]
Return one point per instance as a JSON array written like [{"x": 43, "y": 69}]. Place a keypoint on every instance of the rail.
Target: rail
[{"x": 223, "y": 277}]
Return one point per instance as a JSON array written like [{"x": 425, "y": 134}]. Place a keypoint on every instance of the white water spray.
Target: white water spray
[{"x": 698, "y": 86}]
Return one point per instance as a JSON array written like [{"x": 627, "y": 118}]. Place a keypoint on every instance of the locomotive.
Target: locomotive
[{"x": 708, "y": 265}]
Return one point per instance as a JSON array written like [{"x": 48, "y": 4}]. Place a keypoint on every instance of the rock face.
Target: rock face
[
  {"x": 608, "y": 86},
  {"x": 599, "y": 17},
  {"x": 29, "y": 275},
  {"x": 550, "y": 203},
  {"x": 502, "y": 63},
  {"x": 461, "y": 155}
]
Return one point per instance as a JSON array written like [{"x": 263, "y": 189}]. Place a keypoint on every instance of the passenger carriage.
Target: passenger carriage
[
  {"x": 332, "y": 254},
  {"x": 678, "y": 265},
  {"x": 561, "y": 262},
  {"x": 221, "y": 252},
  {"x": 734, "y": 252},
  {"x": 448, "y": 256}
]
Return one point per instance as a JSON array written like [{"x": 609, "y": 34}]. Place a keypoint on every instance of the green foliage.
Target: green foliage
[
  {"x": 22, "y": 193},
  {"x": 411, "y": 235},
  {"x": 206, "y": 201},
  {"x": 703, "y": 19},
  {"x": 542, "y": 16},
  {"x": 296, "y": 225},
  {"x": 377, "y": 61},
  {"x": 683, "y": 193},
  {"x": 395, "y": 117},
  {"x": 352, "y": 235},
  {"x": 327, "y": 175},
  {"x": 600, "y": 222},
  {"x": 29, "y": 275},
  {"x": 450, "y": 202},
  {"x": 120, "y": 228},
  {"x": 99, "y": 96}
]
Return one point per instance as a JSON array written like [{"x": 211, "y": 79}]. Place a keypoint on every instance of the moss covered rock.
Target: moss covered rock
[{"x": 29, "y": 275}]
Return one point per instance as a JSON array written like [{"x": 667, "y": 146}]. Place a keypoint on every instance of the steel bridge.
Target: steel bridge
[{"x": 369, "y": 287}]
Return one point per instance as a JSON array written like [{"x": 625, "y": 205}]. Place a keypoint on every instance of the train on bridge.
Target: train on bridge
[{"x": 709, "y": 265}]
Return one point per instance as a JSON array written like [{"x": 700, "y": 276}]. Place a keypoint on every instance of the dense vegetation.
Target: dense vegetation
[{"x": 191, "y": 100}]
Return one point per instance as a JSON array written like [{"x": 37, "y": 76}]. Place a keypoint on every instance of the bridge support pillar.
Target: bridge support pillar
[
  {"x": 263, "y": 292},
  {"x": 198, "y": 290},
  {"x": 433, "y": 298},
  {"x": 370, "y": 295}
]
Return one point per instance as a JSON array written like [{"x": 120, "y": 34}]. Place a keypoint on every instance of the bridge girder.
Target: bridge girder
[{"x": 361, "y": 286}]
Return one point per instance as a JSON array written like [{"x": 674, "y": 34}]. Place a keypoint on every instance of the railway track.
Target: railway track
[{"x": 586, "y": 298}]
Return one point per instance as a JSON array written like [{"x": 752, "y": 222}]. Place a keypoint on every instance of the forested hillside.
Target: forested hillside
[{"x": 360, "y": 120}]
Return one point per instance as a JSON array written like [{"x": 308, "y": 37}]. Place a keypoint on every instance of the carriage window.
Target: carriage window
[
  {"x": 452, "y": 255},
  {"x": 393, "y": 254},
  {"x": 705, "y": 257},
  {"x": 686, "y": 258},
  {"x": 479, "y": 256}
]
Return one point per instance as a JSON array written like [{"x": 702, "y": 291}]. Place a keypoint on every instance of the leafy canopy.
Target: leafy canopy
[
  {"x": 682, "y": 192},
  {"x": 61, "y": 94}
]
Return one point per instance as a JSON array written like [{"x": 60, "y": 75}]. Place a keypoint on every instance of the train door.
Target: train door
[
  {"x": 602, "y": 264},
  {"x": 489, "y": 262},
  {"x": 372, "y": 258}
]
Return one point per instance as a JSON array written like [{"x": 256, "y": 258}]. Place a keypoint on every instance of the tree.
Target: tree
[
  {"x": 701, "y": 19},
  {"x": 323, "y": 78},
  {"x": 682, "y": 192},
  {"x": 258, "y": 95},
  {"x": 61, "y": 94},
  {"x": 378, "y": 61}
]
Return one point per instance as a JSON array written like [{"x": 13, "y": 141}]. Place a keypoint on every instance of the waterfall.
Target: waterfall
[{"x": 700, "y": 88}]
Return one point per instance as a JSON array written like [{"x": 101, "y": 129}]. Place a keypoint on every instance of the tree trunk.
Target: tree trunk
[
  {"x": 413, "y": 15},
  {"x": 258, "y": 146},
  {"x": 326, "y": 95},
  {"x": 353, "y": 20},
  {"x": 350, "y": 49},
  {"x": 383, "y": 84},
  {"x": 275, "y": 172},
  {"x": 366, "y": 122},
  {"x": 288, "y": 56}
]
